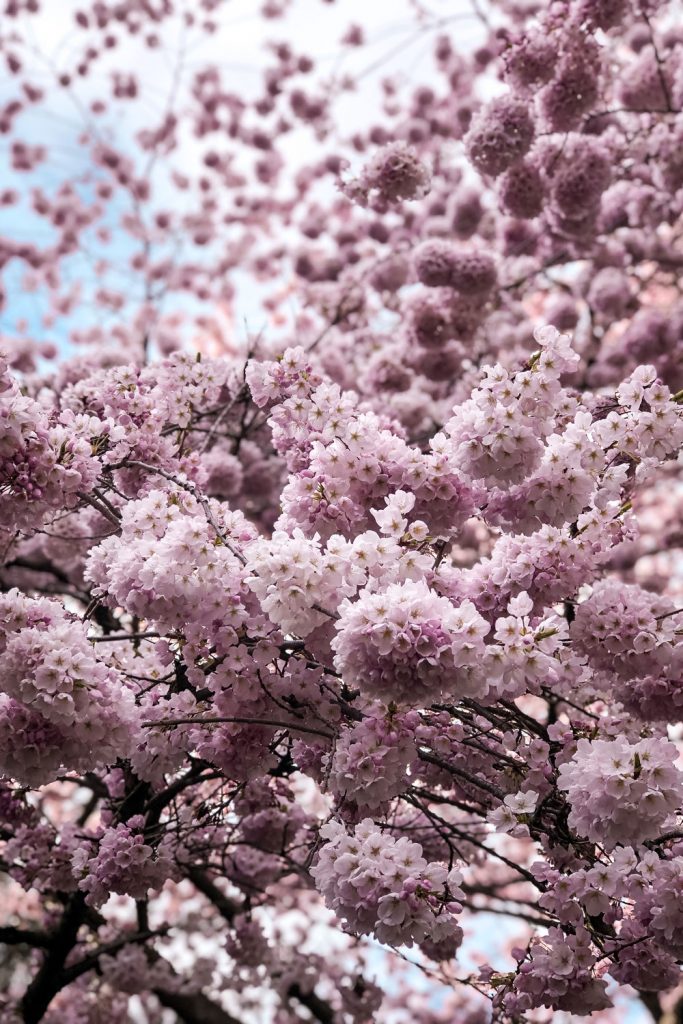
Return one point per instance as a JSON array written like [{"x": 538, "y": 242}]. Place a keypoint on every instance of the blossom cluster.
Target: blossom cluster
[
  {"x": 121, "y": 862},
  {"x": 173, "y": 564},
  {"x": 60, "y": 704},
  {"x": 407, "y": 641},
  {"x": 384, "y": 886},
  {"x": 44, "y": 462},
  {"x": 634, "y": 892},
  {"x": 626, "y": 629},
  {"x": 344, "y": 461},
  {"x": 622, "y": 792},
  {"x": 393, "y": 174},
  {"x": 295, "y": 581},
  {"x": 557, "y": 972},
  {"x": 370, "y": 760}
]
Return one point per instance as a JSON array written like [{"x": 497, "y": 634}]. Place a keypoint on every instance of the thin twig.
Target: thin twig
[{"x": 213, "y": 720}]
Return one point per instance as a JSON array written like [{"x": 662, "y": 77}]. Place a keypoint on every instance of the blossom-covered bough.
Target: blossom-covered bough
[{"x": 320, "y": 654}]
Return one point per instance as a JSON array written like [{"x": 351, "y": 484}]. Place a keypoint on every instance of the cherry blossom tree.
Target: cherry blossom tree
[{"x": 340, "y": 658}]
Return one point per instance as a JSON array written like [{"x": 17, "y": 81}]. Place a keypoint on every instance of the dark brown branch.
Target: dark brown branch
[
  {"x": 430, "y": 758},
  {"x": 201, "y": 881},
  {"x": 38, "y": 565},
  {"x": 90, "y": 962},
  {"x": 150, "y": 635},
  {"x": 321, "y": 1010},
  {"x": 193, "y": 776},
  {"x": 217, "y": 719},
  {"x": 194, "y": 1008},
  {"x": 651, "y": 1002},
  {"x": 48, "y": 980},
  {"x": 102, "y": 509},
  {"x": 10, "y": 936}
]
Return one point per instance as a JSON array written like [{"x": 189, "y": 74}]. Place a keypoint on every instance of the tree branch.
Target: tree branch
[
  {"x": 227, "y": 907},
  {"x": 10, "y": 936},
  {"x": 90, "y": 962},
  {"x": 194, "y": 1008},
  {"x": 321, "y": 1010},
  {"x": 48, "y": 980}
]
